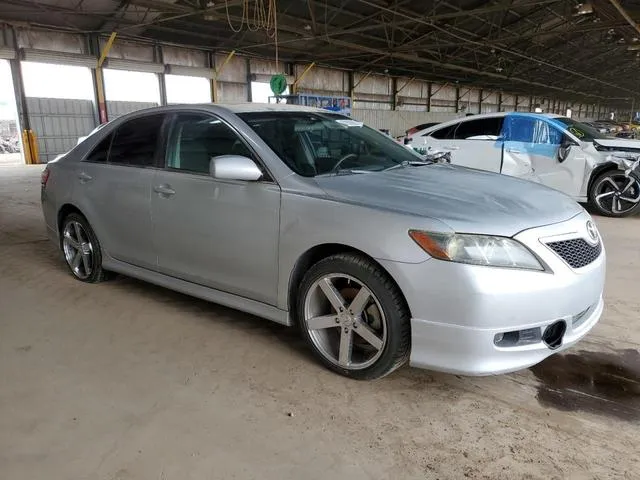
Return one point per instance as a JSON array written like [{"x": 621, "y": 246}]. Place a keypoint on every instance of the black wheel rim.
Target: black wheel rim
[{"x": 617, "y": 194}]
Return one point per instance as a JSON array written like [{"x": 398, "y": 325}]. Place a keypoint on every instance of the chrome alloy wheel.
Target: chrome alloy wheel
[
  {"x": 617, "y": 193},
  {"x": 345, "y": 321},
  {"x": 78, "y": 250}
]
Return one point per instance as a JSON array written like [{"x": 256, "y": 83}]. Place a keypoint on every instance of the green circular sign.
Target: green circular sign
[{"x": 278, "y": 84}]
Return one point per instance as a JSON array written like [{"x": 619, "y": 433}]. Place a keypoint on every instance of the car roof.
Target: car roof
[
  {"x": 478, "y": 116},
  {"x": 239, "y": 107}
]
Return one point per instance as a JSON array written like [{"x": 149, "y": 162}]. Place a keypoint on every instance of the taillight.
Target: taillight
[{"x": 44, "y": 178}]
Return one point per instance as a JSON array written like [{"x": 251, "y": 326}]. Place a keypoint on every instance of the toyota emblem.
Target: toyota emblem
[{"x": 592, "y": 231}]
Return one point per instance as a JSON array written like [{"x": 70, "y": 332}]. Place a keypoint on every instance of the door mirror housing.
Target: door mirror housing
[
  {"x": 565, "y": 147},
  {"x": 234, "y": 167}
]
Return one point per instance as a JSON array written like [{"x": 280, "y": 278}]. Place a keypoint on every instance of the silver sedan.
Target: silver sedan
[{"x": 312, "y": 219}]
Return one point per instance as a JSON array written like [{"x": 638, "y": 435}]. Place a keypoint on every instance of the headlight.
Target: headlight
[
  {"x": 629, "y": 163},
  {"x": 476, "y": 249}
]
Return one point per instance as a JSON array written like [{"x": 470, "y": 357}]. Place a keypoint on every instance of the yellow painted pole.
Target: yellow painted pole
[
  {"x": 294, "y": 87},
  {"x": 26, "y": 144},
  {"x": 102, "y": 101},
  {"x": 218, "y": 71},
  {"x": 33, "y": 146}
]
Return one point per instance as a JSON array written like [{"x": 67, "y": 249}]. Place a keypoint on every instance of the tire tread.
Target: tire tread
[{"x": 398, "y": 305}]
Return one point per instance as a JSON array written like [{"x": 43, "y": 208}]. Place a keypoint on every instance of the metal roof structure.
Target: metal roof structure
[{"x": 587, "y": 50}]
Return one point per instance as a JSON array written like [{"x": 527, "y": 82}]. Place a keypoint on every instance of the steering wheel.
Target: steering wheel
[{"x": 336, "y": 167}]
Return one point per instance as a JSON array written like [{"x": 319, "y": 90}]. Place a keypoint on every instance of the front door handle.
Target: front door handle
[
  {"x": 513, "y": 150},
  {"x": 451, "y": 147},
  {"x": 164, "y": 190},
  {"x": 84, "y": 177}
]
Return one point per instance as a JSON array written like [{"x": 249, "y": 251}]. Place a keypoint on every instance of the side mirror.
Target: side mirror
[
  {"x": 565, "y": 148},
  {"x": 234, "y": 167}
]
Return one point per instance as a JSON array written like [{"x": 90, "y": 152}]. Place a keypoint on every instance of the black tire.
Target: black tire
[
  {"x": 97, "y": 273},
  {"x": 603, "y": 207},
  {"x": 397, "y": 318}
]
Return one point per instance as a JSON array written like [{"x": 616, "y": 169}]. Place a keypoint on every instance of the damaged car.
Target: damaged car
[{"x": 557, "y": 151}]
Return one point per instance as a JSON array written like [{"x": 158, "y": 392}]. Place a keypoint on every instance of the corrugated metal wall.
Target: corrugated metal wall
[
  {"x": 58, "y": 123},
  {"x": 398, "y": 121},
  {"x": 118, "y": 108}
]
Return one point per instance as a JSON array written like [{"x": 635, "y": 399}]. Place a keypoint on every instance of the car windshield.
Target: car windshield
[
  {"x": 584, "y": 132},
  {"x": 315, "y": 143}
]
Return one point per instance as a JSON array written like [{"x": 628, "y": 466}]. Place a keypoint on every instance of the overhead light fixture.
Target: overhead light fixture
[{"x": 584, "y": 9}]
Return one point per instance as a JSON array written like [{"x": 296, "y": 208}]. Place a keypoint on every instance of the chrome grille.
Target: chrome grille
[{"x": 577, "y": 252}]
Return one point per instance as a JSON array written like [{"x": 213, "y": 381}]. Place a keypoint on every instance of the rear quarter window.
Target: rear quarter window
[{"x": 445, "y": 133}]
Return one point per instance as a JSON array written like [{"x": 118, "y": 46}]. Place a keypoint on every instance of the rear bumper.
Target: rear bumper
[{"x": 472, "y": 351}]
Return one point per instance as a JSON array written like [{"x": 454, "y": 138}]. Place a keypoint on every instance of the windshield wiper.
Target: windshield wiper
[
  {"x": 408, "y": 163},
  {"x": 343, "y": 171}
]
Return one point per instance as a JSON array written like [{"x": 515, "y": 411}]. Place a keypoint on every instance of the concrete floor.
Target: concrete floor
[{"x": 124, "y": 380}]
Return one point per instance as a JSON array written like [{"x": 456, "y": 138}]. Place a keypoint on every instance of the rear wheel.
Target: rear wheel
[
  {"x": 613, "y": 194},
  {"x": 81, "y": 249},
  {"x": 354, "y": 317}
]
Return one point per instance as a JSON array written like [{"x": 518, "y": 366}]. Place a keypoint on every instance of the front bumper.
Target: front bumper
[
  {"x": 457, "y": 309},
  {"x": 471, "y": 351}
]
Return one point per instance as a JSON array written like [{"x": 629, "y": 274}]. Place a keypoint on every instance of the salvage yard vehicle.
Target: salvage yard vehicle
[
  {"x": 311, "y": 219},
  {"x": 556, "y": 151}
]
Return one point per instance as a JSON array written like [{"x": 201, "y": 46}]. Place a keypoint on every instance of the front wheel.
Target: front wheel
[
  {"x": 354, "y": 317},
  {"x": 613, "y": 194}
]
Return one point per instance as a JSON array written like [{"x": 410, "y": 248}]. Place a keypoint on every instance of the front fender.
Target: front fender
[{"x": 309, "y": 221}]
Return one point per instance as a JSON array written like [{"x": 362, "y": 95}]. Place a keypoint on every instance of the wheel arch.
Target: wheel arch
[
  {"x": 64, "y": 211},
  {"x": 319, "y": 252},
  {"x": 599, "y": 170}
]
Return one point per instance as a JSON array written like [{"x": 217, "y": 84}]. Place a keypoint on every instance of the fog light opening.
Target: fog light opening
[
  {"x": 517, "y": 338},
  {"x": 553, "y": 334}
]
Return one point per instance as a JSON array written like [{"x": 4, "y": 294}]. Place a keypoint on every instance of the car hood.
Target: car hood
[
  {"x": 623, "y": 143},
  {"x": 465, "y": 199}
]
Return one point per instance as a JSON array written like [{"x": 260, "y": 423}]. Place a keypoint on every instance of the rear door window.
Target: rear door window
[
  {"x": 479, "y": 129},
  {"x": 445, "y": 133},
  {"x": 136, "y": 142}
]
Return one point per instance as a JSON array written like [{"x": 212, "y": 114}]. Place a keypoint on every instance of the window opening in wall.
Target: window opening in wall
[
  {"x": 127, "y": 86},
  {"x": 10, "y": 142},
  {"x": 45, "y": 80},
  {"x": 260, "y": 92},
  {"x": 184, "y": 89},
  {"x": 59, "y": 105}
]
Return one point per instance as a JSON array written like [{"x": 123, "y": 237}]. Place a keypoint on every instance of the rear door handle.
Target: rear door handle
[
  {"x": 451, "y": 147},
  {"x": 164, "y": 190},
  {"x": 513, "y": 150},
  {"x": 84, "y": 177}
]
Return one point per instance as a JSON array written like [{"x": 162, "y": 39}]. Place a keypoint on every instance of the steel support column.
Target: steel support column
[
  {"x": 249, "y": 94},
  {"x": 101, "y": 101},
  {"x": 394, "y": 92},
  {"x": 157, "y": 57},
  {"x": 30, "y": 156}
]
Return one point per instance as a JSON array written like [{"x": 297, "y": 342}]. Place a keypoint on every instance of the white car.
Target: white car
[{"x": 550, "y": 149}]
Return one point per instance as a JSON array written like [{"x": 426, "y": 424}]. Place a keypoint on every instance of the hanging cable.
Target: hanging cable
[
  {"x": 260, "y": 17},
  {"x": 263, "y": 17}
]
